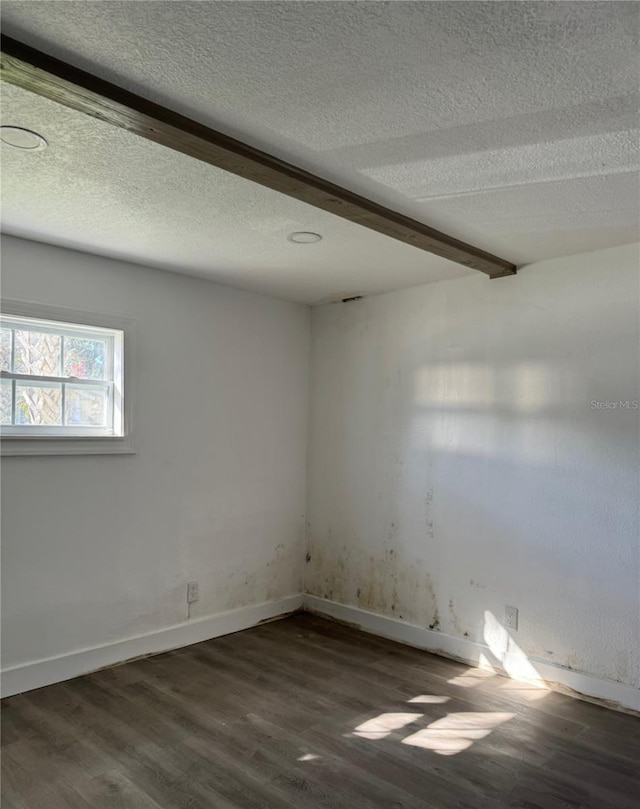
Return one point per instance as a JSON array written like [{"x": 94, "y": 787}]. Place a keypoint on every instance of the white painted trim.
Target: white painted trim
[
  {"x": 14, "y": 447},
  {"x": 38, "y": 673},
  {"x": 580, "y": 684}
]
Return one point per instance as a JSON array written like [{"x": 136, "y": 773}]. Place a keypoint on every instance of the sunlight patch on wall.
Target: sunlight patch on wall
[
  {"x": 535, "y": 386},
  {"x": 466, "y": 407},
  {"x": 462, "y": 384},
  {"x": 531, "y": 440},
  {"x": 506, "y": 650},
  {"x": 525, "y": 387},
  {"x": 485, "y": 664}
]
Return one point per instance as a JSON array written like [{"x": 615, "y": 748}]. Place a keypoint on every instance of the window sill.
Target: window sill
[{"x": 65, "y": 445}]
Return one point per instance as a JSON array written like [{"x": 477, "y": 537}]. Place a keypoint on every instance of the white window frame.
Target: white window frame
[{"x": 77, "y": 441}]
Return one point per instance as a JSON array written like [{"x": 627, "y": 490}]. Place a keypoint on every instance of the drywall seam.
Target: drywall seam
[
  {"x": 38, "y": 673},
  {"x": 579, "y": 684}
]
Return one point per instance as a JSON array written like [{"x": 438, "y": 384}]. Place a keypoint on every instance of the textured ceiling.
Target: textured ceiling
[
  {"x": 100, "y": 188},
  {"x": 510, "y": 125}
]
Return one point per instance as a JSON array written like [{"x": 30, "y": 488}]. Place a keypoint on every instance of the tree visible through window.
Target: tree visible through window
[{"x": 59, "y": 378}]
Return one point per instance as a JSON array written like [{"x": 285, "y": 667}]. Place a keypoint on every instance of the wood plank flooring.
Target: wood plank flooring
[{"x": 306, "y": 713}]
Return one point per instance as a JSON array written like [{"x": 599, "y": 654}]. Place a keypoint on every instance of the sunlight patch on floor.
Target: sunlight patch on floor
[
  {"x": 471, "y": 678},
  {"x": 456, "y": 732},
  {"x": 446, "y": 736},
  {"x": 384, "y": 725},
  {"x": 531, "y": 692}
]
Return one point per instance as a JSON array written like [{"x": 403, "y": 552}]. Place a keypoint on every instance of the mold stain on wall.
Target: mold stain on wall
[
  {"x": 453, "y": 619},
  {"x": 242, "y": 581},
  {"x": 461, "y": 450},
  {"x": 428, "y": 508},
  {"x": 389, "y": 583}
]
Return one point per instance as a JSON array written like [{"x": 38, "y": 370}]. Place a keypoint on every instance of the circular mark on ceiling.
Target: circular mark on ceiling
[
  {"x": 21, "y": 138},
  {"x": 304, "y": 237}
]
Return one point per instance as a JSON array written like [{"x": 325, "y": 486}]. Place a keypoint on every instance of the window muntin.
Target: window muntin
[{"x": 60, "y": 379}]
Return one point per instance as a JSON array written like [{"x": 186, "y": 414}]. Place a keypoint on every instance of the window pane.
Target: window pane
[
  {"x": 37, "y": 353},
  {"x": 5, "y": 401},
  {"x": 86, "y": 406},
  {"x": 85, "y": 358},
  {"x": 38, "y": 403},
  {"x": 5, "y": 350}
]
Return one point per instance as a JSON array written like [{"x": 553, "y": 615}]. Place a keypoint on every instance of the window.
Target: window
[{"x": 61, "y": 381}]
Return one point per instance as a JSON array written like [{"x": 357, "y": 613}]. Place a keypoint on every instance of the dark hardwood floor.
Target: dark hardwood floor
[{"x": 305, "y": 713}]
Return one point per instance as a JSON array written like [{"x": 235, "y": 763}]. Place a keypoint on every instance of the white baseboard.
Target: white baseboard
[
  {"x": 38, "y": 673},
  {"x": 576, "y": 683}
]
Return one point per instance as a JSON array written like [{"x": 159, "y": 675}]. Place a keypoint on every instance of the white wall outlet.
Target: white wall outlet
[
  {"x": 511, "y": 618},
  {"x": 193, "y": 593}
]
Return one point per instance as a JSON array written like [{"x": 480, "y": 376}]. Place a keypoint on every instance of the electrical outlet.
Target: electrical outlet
[
  {"x": 511, "y": 618},
  {"x": 193, "y": 593}
]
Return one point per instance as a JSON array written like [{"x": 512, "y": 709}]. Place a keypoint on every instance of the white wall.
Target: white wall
[
  {"x": 100, "y": 548},
  {"x": 457, "y": 465}
]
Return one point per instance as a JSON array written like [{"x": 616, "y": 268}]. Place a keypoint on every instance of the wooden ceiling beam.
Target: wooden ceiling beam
[{"x": 59, "y": 81}]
